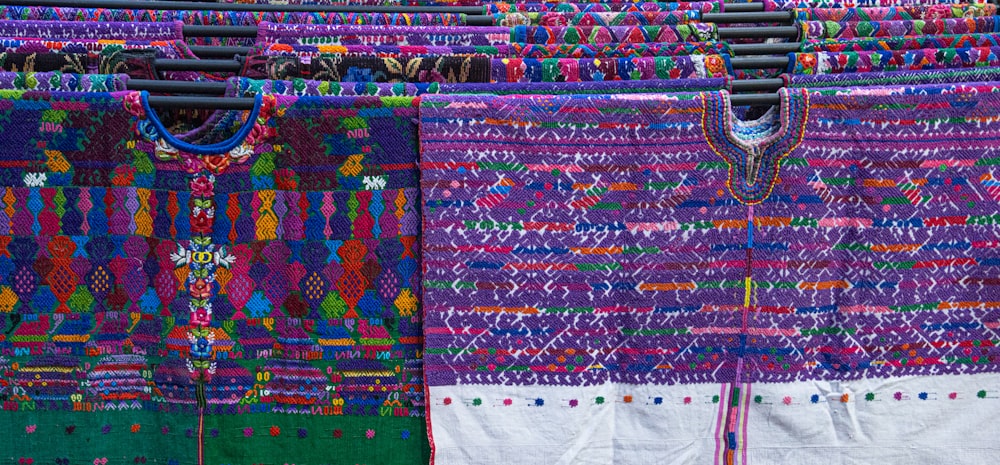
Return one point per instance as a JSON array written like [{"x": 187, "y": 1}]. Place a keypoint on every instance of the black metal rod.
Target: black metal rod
[
  {"x": 178, "y": 87},
  {"x": 754, "y": 17},
  {"x": 748, "y": 85},
  {"x": 220, "y": 31},
  {"x": 224, "y": 66},
  {"x": 209, "y": 51},
  {"x": 759, "y": 62},
  {"x": 225, "y": 103},
  {"x": 240, "y": 103},
  {"x": 219, "y": 88},
  {"x": 758, "y": 32},
  {"x": 752, "y": 99},
  {"x": 179, "y": 5},
  {"x": 744, "y": 7},
  {"x": 764, "y": 49},
  {"x": 479, "y": 21}
]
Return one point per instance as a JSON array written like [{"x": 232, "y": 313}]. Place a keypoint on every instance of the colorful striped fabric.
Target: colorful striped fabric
[
  {"x": 317, "y": 34},
  {"x": 704, "y": 7},
  {"x": 613, "y": 50},
  {"x": 598, "y": 35},
  {"x": 921, "y": 77},
  {"x": 835, "y": 30},
  {"x": 613, "y": 278},
  {"x": 847, "y": 15},
  {"x": 62, "y": 82},
  {"x": 379, "y": 50},
  {"x": 634, "y": 18},
  {"x": 326, "y": 88},
  {"x": 777, "y": 5},
  {"x": 226, "y": 18},
  {"x": 893, "y": 60},
  {"x": 56, "y": 30},
  {"x": 458, "y": 69},
  {"x": 901, "y": 43},
  {"x": 609, "y": 69}
]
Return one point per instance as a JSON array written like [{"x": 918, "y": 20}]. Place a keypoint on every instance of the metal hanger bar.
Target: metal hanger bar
[
  {"x": 763, "y": 32},
  {"x": 234, "y": 66},
  {"x": 225, "y": 103},
  {"x": 743, "y": 7},
  {"x": 724, "y": 32},
  {"x": 764, "y": 49},
  {"x": 479, "y": 21},
  {"x": 759, "y": 62},
  {"x": 179, "y": 5},
  {"x": 209, "y": 51},
  {"x": 241, "y": 103},
  {"x": 230, "y": 66},
  {"x": 220, "y": 31},
  {"x": 219, "y": 88},
  {"x": 749, "y": 85},
  {"x": 177, "y": 87},
  {"x": 750, "y": 17}
]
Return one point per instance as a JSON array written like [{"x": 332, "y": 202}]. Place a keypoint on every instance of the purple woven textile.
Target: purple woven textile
[
  {"x": 224, "y": 18},
  {"x": 697, "y": 32},
  {"x": 653, "y": 265},
  {"x": 608, "y": 69},
  {"x": 63, "y": 82},
  {"x": 307, "y": 87},
  {"x": 315, "y": 34},
  {"x": 56, "y": 30},
  {"x": 704, "y": 7},
  {"x": 308, "y": 51},
  {"x": 944, "y": 76},
  {"x": 834, "y": 30}
]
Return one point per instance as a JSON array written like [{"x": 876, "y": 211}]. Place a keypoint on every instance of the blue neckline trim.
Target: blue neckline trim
[{"x": 211, "y": 149}]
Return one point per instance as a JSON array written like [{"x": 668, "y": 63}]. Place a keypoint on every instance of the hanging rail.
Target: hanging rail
[
  {"x": 171, "y": 5},
  {"x": 186, "y": 5},
  {"x": 741, "y": 32},
  {"x": 236, "y": 65},
  {"x": 243, "y": 103},
  {"x": 219, "y": 88},
  {"x": 211, "y": 51}
]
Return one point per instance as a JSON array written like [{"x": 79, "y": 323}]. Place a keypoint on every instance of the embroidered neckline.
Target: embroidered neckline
[
  {"x": 214, "y": 158},
  {"x": 754, "y": 165}
]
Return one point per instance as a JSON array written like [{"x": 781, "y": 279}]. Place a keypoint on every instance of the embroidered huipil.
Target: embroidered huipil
[
  {"x": 243, "y": 293},
  {"x": 619, "y": 279}
]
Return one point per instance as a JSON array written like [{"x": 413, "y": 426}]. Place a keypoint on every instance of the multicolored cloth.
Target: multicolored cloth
[
  {"x": 458, "y": 69},
  {"x": 309, "y": 51},
  {"x": 902, "y": 43},
  {"x": 889, "y": 78},
  {"x": 612, "y": 50},
  {"x": 186, "y": 299},
  {"x": 316, "y": 34},
  {"x": 835, "y": 30},
  {"x": 632, "y": 18},
  {"x": 613, "y": 278},
  {"x": 847, "y": 15},
  {"x": 609, "y": 69},
  {"x": 597, "y": 35},
  {"x": 349, "y": 68},
  {"x": 225, "y": 18},
  {"x": 704, "y": 7},
  {"x": 133, "y": 57},
  {"x": 892, "y": 60},
  {"x": 326, "y": 88},
  {"x": 778, "y": 5},
  {"x": 57, "y": 30},
  {"x": 62, "y": 82}
]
